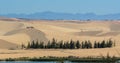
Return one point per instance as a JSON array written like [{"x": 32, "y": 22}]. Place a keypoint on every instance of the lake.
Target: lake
[{"x": 43, "y": 62}]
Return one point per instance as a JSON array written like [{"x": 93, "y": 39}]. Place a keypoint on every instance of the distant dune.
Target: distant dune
[
  {"x": 7, "y": 45},
  {"x": 33, "y": 33},
  {"x": 9, "y": 19},
  {"x": 14, "y": 33}
]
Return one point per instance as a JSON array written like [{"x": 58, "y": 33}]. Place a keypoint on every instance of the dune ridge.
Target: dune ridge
[{"x": 14, "y": 33}]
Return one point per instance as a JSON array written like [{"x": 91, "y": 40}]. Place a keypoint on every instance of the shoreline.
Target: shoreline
[
  {"x": 59, "y": 53},
  {"x": 62, "y": 59}
]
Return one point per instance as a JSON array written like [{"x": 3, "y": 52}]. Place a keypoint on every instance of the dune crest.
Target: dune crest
[
  {"x": 7, "y": 45},
  {"x": 33, "y": 33}
]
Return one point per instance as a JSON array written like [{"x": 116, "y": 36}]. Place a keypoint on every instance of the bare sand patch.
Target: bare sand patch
[{"x": 14, "y": 33}]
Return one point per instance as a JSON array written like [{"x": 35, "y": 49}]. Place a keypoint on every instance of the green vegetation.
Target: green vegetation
[
  {"x": 107, "y": 59},
  {"x": 54, "y": 44}
]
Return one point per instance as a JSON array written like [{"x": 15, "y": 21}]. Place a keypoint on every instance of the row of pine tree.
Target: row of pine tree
[{"x": 87, "y": 44}]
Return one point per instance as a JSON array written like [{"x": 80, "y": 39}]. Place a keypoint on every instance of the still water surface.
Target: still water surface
[{"x": 42, "y": 62}]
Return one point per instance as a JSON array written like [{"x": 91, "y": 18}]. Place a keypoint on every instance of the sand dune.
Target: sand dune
[
  {"x": 34, "y": 34},
  {"x": 110, "y": 34},
  {"x": 7, "y": 45},
  {"x": 18, "y": 38},
  {"x": 88, "y": 33},
  {"x": 6, "y": 26},
  {"x": 8, "y": 19},
  {"x": 14, "y": 33},
  {"x": 114, "y": 26},
  {"x": 61, "y": 30}
]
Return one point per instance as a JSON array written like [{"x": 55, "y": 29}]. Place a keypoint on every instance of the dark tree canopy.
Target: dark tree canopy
[{"x": 87, "y": 44}]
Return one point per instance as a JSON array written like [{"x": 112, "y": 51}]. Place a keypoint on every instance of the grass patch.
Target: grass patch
[{"x": 70, "y": 58}]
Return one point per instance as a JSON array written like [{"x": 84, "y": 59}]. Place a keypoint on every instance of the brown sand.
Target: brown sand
[{"x": 14, "y": 33}]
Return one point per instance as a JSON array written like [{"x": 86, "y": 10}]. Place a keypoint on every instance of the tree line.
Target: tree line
[{"x": 54, "y": 44}]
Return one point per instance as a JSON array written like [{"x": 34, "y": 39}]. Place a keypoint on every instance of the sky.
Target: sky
[{"x": 100, "y": 7}]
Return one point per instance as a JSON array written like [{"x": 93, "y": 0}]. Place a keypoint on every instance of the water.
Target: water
[
  {"x": 42, "y": 62},
  {"x": 33, "y": 62}
]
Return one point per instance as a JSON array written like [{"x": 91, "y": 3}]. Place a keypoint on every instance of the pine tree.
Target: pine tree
[
  {"x": 110, "y": 43},
  {"x": 86, "y": 44},
  {"x": 103, "y": 44},
  {"x": 48, "y": 45},
  {"x": 64, "y": 45},
  {"x": 37, "y": 44},
  {"x": 83, "y": 45},
  {"x": 33, "y": 44},
  {"x": 67, "y": 45},
  {"x": 72, "y": 44},
  {"x": 95, "y": 45},
  {"x": 57, "y": 45},
  {"x": 61, "y": 44},
  {"x": 99, "y": 45},
  {"x": 53, "y": 44},
  {"x": 41, "y": 45},
  {"x": 78, "y": 44},
  {"x": 89, "y": 44}
]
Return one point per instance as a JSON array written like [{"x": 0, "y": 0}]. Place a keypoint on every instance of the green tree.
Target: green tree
[
  {"x": 103, "y": 44},
  {"x": 64, "y": 46},
  {"x": 89, "y": 44},
  {"x": 41, "y": 45},
  {"x": 37, "y": 44},
  {"x": 61, "y": 44},
  {"x": 83, "y": 45},
  {"x": 99, "y": 45},
  {"x": 72, "y": 44},
  {"x": 86, "y": 44},
  {"x": 78, "y": 44},
  {"x": 67, "y": 45},
  {"x": 53, "y": 44},
  {"x": 33, "y": 44},
  {"x": 110, "y": 42},
  {"x": 48, "y": 45},
  {"x": 95, "y": 45}
]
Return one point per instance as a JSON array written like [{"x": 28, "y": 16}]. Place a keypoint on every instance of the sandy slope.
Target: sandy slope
[
  {"x": 59, "y": 53},
  {"x": 14, "y": 33},
  {"x": 17, "y": 38},
  {"x": 7, "y": 45}
]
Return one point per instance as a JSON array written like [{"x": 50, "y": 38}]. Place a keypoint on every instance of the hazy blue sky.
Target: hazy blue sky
[{"x": 66, "y": 6}]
